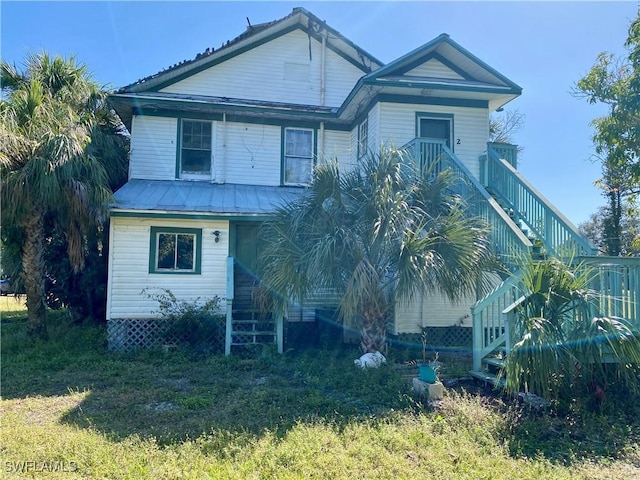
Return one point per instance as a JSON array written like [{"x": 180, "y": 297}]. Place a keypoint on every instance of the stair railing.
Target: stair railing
[
  {"x": 434, "y": 156},
  {"x": 229, "y": 313},
  {"x": 491, "y": 321},
  {"x": 558, "y": 235}
]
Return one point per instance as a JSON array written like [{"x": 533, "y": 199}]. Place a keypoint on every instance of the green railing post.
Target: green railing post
[{"x": 229, "y": 318}]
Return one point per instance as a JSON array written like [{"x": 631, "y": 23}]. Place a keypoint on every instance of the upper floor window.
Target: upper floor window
[
  {"x": 298, "y": 156},
  {"x": 363, "y": 134},
  {"x": 175, "y": 250},
  {"x": 195, "y": 148}
]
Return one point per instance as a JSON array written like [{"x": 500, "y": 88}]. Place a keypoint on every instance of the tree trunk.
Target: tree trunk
[
  {"x": 33, "y": 275},
  {"x": 373, "y": 333}
]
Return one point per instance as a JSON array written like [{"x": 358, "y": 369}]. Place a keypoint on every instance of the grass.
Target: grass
[{"x": 74, "y": 409}]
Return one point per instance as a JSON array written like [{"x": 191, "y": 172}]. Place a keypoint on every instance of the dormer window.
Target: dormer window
[
  {"x": 195, "y": 149},
  {"x": 297, "y": 156}
]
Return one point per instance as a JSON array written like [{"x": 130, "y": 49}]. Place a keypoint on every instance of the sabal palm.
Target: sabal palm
[
  {"x": 563, "y": 341},
  {"x": 47, "y": 116},
  {"x": 374, "y": 236}
]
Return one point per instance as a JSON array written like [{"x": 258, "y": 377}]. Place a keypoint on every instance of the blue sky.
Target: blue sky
[{"x": 545, "y": 47}]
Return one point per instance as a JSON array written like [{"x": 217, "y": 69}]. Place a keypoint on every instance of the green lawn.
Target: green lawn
[{"x": 73, "y": 409}]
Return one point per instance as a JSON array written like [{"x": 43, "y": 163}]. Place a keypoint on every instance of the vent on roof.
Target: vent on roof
[{"x": 297, "y": 72}]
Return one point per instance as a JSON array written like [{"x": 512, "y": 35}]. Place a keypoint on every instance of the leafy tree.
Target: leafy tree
[
  {"x": 565, "y": 345},
  {"x": 615, "y": 82},
  {"x": 601, "y": 230},
  {"x": 377, "y": 235},
  {"x": 52, "y": 117}
]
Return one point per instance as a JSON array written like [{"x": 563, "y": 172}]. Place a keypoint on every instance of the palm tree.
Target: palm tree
[
  {"x": 47, "y": 116},
  {"x": 377, "y": 235},
  {"x": 565, "y": 344}
]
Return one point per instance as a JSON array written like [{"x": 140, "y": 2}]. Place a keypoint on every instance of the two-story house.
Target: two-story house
[{"x": 220, "y": 141}]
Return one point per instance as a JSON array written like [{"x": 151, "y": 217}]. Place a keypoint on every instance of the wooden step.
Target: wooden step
[
  {"x": 488, "y": 378},
  {"x": 494, "y": 362}
]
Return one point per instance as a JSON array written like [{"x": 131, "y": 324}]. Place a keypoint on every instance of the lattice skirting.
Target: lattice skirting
[
  {"x": 453, "y": 336},
  {"x": 132, "y": 333}
]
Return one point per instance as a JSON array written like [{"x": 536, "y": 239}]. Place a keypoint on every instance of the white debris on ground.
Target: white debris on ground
[{"x": 370, "y": 360}]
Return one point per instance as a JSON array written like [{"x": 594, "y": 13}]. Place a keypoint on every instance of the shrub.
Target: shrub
[{"x": 193, "y": 323}]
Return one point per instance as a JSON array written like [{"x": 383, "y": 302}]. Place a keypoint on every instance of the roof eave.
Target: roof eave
[{"x": 299, "y": 17}]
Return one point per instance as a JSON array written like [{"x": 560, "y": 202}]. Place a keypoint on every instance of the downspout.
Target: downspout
[
  {"x": 321, "y": 141},
  {"x": 223, "y": 167},
  {"x": 323, "y": 68}
]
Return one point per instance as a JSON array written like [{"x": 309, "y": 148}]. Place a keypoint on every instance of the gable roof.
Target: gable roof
[
  {"x": 256, "y": 35},
  {"x": 477, "y": 80},
  {"x": 440, "y": 72},
  {"x": 454, "y": 56}
]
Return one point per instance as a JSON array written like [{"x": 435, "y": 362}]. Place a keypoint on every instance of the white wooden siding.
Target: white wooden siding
[
  {"x": 373, "y": 134},
  {"x": 129, "y": 266},
  {"x": 337, "y": 145},
  {"x": 434, "y": 68},
  {"x": 433, "y": 310},
  {"x": 252, "y": 154},
  {"x": 153, "y": 148},
  {"x": 259, "y": 74},
  {"x": 470, "y": 125},
  {"x": 373, "y": 138}
]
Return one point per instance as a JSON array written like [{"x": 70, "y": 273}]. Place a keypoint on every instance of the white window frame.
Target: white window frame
[
  {"x": 156, "y": 232},
  {"x": 187, "y": 175},
  {"x": 286, "y": 157}
]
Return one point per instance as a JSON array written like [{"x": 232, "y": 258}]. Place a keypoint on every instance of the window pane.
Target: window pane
[
  {"x": 299, "y": 143},
  {"x": 196, "y": 147},
  {"x": 297, "y": 170},
  {"x": 186, "y": 245},
  {"x": 298, "y": 158},
  {"x": 433, "y": 128},
  {"x": 196, "y": 161},
  {"x": 166, "y": 250}
]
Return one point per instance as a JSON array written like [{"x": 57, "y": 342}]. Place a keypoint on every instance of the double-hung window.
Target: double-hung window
[
  {"x": 195, "y": 149},
  {"x": 298, "y": 156},
  {"x": 363, "y": 141},
  {"x": 175, "y": 250}
]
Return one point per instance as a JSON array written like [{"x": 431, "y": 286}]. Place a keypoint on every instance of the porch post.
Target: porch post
[
  {"x": 280, "y": 332},
  {"x": 229, "y": 323}
]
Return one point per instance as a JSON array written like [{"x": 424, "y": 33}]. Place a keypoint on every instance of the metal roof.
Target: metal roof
[{"x": 203, "y": 197}]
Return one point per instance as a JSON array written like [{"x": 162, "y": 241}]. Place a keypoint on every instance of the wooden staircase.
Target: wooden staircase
[
  {"x": 249, "y": 324},
  {"x": 522, "y": 223}
]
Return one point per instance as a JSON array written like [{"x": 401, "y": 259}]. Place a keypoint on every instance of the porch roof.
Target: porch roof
[{"x": 175, "y": 196}]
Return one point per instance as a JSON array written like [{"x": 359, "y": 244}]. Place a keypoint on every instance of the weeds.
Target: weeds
[{"x": 307, "y": 414}]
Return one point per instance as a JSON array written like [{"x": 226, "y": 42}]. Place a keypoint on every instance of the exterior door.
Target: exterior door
[
  {"x": 432, "y": 153},
  {"x": 246, "y": 276},
  {"x": 439, "y": 128}
]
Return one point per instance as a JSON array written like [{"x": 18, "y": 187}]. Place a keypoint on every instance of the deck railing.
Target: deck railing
[
  {"x": 615, "y": 287},
  {"x": 507, "y": 151},
  {"x": 434, "y": 156},
  {"x": 617, "y": 283},
  {"x": 558, "y": 235}
]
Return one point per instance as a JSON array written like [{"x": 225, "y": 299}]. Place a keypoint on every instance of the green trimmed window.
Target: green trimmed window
[
  {"x": 195, "y": 148},
  {"x": 298, "y": 156},
  {"x": 363, "y": 140},
  {"x": 175, "y": 250}
]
